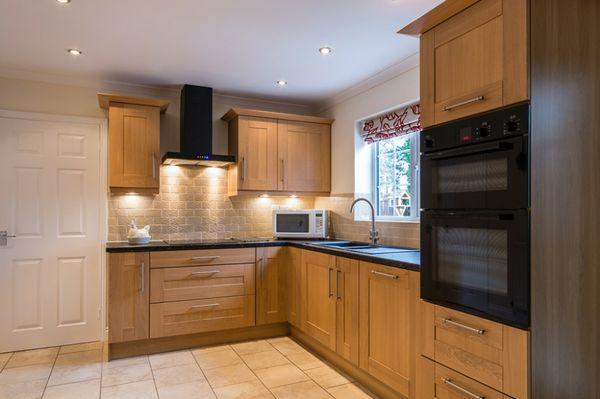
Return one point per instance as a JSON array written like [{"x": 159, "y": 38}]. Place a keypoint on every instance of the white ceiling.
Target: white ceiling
[{"x": 236, "y": 46}]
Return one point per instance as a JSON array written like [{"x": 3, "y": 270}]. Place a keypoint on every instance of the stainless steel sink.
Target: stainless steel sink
[{"x": 362, "y": 247}]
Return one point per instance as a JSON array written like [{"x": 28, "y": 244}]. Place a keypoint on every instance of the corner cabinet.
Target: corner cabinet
[
  {"x": 474, "y": 60},
  {"x": 278, "y": 153},
  {"x": 271, "y": 276},
  {"x": 133, "y": 143},
  {"x": 128, "y": 296}
]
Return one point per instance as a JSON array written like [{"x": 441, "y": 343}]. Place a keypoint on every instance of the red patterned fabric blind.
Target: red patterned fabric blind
[{"x": 402, "y": 121}]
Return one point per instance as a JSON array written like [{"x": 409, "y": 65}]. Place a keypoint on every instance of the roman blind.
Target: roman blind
[{"x": 404, "y": 120}]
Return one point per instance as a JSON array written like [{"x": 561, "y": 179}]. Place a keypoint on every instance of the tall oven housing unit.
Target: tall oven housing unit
[{"x": 475, "y": 218}]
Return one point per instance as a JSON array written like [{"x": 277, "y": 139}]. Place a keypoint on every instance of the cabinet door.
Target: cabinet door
[
  {"x": 346, "y": 289},
  {"x": 270, "y": 285},
  {"x": 128, "y": 296},
  {"x": 134, "y": 146},
  {"x": 475, "y": 61},
  {"x": 387, "y": 300},
  {"x": 319, "y": 297},
  {"x": 304, "y": 156},
  {"x": 294, "y": 285},
  {"x": 257, "y": 153}
]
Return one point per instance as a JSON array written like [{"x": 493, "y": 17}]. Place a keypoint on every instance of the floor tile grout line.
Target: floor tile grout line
[
  {"x": 153, "y": 379},
  {"x": 252, "y": 371},
  {"x": 203, "y": 373},
  {"x": 50, "y": 374},
  {"x": 7, "y": 360}
]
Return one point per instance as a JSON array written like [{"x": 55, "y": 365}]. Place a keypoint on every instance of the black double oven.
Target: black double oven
[{"x": 475, "y": 215}]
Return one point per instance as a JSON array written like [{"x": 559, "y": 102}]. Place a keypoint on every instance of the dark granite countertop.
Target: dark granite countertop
[{"x": 405, "y": 258}]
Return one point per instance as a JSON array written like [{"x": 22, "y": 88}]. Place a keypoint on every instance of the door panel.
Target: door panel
[
  {"x": 50, "y": 272},
  {"x": 346, "y": 288},
  {"x": 304, "y": 156},
  {"x": 294, "y": 284},
  {"x": 257, "y": 153},
  {"x": 271, "y": 285},
  {"x": 318, "y": 297}
]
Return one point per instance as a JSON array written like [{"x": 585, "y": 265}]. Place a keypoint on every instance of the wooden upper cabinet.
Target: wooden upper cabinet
[
  {"x": 305, "y": 156},
  {"x": 256, "y": 153},
  {"x": 475, "y": 61},
  {"x": 278, "y": 152},
  {"x": 133, "y": 143},
  {"x": 128, "y": 296},
  {"x": 271, "y": 292}
]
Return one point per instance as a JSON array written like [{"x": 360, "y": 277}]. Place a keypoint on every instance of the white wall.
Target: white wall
[
  {"x": 81, "y": 100},
  {"x": 344, "y": 139}
]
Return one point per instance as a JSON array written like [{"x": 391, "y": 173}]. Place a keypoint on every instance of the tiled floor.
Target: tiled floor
[{"x": 274, "y": 368}]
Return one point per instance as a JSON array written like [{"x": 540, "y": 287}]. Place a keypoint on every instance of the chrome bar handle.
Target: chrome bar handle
[
  {"x": 204, "y": 257},
  {"x": 457, "y": 387},
  {"x": 153, "y": 166},
  {"x": 337, "y": 283},
  {"x": 142, "y": 277},
  {"x": 386, "y": 275},
  {"x": 243, "y": 166},
  {"x": 260, "y": 264},
  {"x": 282, "y": 169},
  {"x": 463, "y": 103},
  {"x": 330, "y": 293},
  {"x": 463, "y": 326},
  {"x": 208, "y": 272},
  {"x": 209, "y": 305}
]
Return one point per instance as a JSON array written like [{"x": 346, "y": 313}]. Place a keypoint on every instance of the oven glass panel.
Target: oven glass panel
[
  {"x": 293, "y": 223},
  {"x": 472, "y": 258},
  {"x": 468, "y": 176}
]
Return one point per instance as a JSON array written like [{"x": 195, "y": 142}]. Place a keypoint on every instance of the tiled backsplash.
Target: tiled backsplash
[
  {"x": 193, "y": 204},
  {"x": 343, "y": 225}
]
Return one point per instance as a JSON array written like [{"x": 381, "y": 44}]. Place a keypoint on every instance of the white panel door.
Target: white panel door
[{"x": 50, "y": 276}]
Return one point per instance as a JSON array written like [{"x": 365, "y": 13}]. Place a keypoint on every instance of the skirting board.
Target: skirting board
[{"x": 166, "y": 344}]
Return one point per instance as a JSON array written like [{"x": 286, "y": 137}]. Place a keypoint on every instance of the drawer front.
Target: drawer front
[
  {"x": 200, "y": 282},
  {"x": 202, "y": 257},
  {"x": 448, "y": 384},
  {"x": 189, "y": 317},
  {"x": 491, "y": 353}
]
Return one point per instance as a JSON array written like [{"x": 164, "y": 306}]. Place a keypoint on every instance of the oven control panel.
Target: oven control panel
[{"x": 494, "y": 125}]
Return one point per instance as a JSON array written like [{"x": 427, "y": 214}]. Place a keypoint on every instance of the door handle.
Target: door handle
[
  {"x": 208, "y": 272},
  {"x": 243, "y": 166},
  {"x": 463, "y": 326},
  {"x": 142, "y": 277},
  {"x": 463, "y": 103},
  {"x": 260, "y": 264},
  {"x": 330, "y": 293},
  {"x": 204, "y": 257},
  {"x": 337, "y": 283},
  {"x": 153, "y": 166},
  {"x": 386, "y": 275},
  {"x": 457, "y": 387},
  {"x": 4, "y": 236},
  {"x": 282, "y": 169},
  {"x": 210, "y": 305}
]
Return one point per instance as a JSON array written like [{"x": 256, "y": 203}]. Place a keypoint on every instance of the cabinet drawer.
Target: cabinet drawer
[
  {"x": 200, "y": 257},
  {"x": 200, "y": 282},
  {"x": 437, "y": 381},
  {"x": 490, "y": 353},
  {"x": 189, "y": 317}
]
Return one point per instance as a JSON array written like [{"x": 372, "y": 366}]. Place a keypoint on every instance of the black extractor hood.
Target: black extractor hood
[{"x": 195, "y": 136}]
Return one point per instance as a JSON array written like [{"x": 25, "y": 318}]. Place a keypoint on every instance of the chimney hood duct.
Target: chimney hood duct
[{"x": 195, "y": 134}]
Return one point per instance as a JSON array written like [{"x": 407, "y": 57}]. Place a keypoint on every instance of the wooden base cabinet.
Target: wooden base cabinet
[
  {"x": 128, "y": 296},
  {"x": 347, "y": 293},
  {"x": 271, "y": 274},
  {"x": 294, "y": 287},
  {"x": 388, "y": 300}
]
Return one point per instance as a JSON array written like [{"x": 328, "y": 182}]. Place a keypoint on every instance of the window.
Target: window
[{"x": 396, "y": 177}]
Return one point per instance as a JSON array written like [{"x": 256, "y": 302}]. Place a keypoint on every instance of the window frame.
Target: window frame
[{"x": 415, "y": 176}]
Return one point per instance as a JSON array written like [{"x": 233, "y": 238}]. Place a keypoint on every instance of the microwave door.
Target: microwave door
[{"x": 293, "y": 224}]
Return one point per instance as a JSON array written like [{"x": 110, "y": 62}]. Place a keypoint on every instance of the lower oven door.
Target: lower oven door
[{"x": 477, "y": 262}]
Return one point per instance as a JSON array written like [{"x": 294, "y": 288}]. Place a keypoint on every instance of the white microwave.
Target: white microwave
[{"x": 309, "y": 223}]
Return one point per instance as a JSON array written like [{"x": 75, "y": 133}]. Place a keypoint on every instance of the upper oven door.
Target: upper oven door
[
  {"x": 491, "y": 175},
  {"x": 292, "y": 224},
  {"x": 477, "y": 262}
]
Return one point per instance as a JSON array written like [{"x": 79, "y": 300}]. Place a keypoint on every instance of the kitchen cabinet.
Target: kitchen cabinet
[
  {"x": 278, "y": 153},
  {"x": 474, "y": 61},
  {"x": 294, "y": 287},
  {"x": 490, "y": 353},
  {"x": 388, "y": 301},
  {"x": 271, "y": 284},
  {"x": 347, "y": 305},
  {"x": 133, "y": 143},
  {"x": 305, "y": 154},
  {"x": 318, "y": 296},
  {"x": 129, "y": 296}
]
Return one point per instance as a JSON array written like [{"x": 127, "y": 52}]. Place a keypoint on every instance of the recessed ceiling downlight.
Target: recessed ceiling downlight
[
  {"x": 64, "y": 1},
  {"x": 74, "y": 51},
  {"x": 281, "y": 82},
  {"x": 325, "y": 50}
]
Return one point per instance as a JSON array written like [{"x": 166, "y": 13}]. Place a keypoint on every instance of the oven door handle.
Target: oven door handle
[{"x": 459, "y": 152}]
